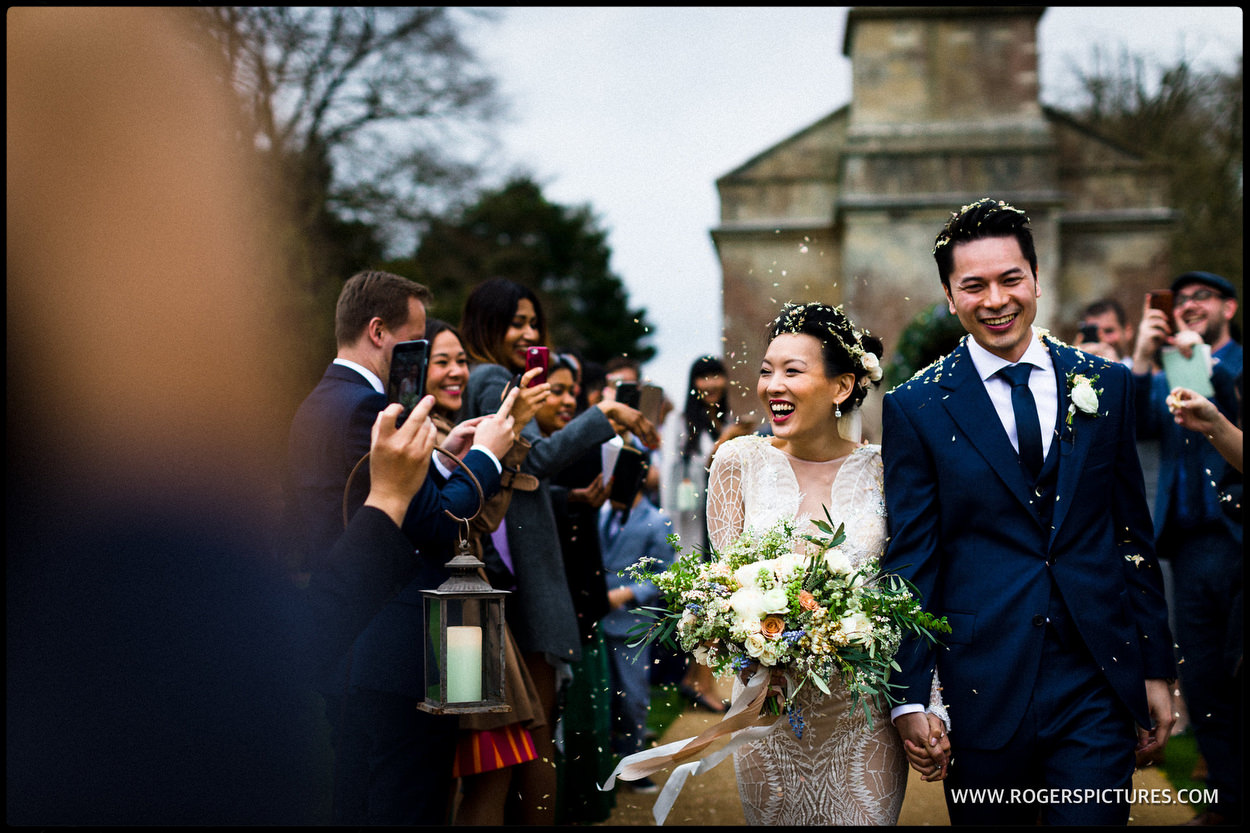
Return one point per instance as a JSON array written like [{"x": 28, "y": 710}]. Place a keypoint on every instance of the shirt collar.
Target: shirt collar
[
  {"x": 987, "y": 364},
  {"x": 370, "y": 376}
]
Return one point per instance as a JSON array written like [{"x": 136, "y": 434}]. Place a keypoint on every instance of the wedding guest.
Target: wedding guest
[
  {"x": 1193, "y": 531},
  {"x": 691, "y": 436},
  {"x": 627, "y": 538},
  {"x": 153, "y": 667},
  {"x": 1115, "y": 332},
  {"x": 501, "y": 319},
  {"x": 489, "y": 744},
  {"x": 393, "y": 761},
  {"x": 594, "y": 380},
  {"x": 577, "y": 492},
  {"x": 687, "y": 450},
  {"x": 1195, "y": 412},
  {"x": 624, "y": 370}
]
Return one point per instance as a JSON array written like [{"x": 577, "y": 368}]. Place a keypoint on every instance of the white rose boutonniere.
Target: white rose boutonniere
[{"x": 1082, "y": 395}]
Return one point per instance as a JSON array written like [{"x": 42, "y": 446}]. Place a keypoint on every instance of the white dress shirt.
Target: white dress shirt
[{"x": 1043, "y": 386}]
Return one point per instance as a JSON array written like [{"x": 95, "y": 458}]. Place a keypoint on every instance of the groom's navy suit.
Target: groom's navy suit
[{"x": 1037, "y": 578}]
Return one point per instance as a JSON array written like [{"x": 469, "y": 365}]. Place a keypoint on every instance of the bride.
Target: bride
[{"x": 815, "y": 374}]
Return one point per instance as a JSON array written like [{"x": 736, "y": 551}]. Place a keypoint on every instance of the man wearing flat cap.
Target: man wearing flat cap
[{"x": 1197, "y": 522}]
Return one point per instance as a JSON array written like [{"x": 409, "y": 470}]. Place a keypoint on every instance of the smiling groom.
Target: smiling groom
[{"x": 1015, "y": 504}]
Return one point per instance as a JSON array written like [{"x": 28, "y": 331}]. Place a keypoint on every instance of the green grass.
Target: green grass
[
  {"x": 1180, "y": 756},
  {"x": 666, "y": 706}
]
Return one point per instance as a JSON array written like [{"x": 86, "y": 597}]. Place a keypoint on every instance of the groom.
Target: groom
[{"x": 1016, "y": 506}]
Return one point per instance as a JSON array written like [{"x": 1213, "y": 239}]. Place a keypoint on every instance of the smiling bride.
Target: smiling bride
[{"x": 816, "y": 372}]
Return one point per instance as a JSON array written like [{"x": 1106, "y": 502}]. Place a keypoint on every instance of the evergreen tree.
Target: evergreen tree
[{"x": 558, "y": 251}]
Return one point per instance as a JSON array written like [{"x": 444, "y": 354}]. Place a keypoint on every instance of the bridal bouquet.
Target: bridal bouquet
[{"x": 810, "y": 615}]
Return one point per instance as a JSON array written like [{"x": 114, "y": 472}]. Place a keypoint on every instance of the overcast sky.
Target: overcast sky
[{"x": 637, "y": 112}]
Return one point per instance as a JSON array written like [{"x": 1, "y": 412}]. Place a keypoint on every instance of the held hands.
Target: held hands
[
  {"x": 399, "y": 458},
  {"x": 926, "y": 744},
  {"x": 1162, "y": 714}
]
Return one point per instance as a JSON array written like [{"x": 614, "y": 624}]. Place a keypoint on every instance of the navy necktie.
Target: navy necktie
[{"x": 1028, "y": 428}]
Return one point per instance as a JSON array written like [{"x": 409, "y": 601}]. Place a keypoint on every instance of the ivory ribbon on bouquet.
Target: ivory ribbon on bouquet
[{"x": 743, "y": 717}]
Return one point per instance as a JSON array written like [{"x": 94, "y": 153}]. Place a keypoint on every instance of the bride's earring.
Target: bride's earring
[{"x": 837, "y": 410}]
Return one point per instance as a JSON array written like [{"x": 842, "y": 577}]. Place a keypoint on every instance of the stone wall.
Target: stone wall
[{"x": 944, "y": 110}]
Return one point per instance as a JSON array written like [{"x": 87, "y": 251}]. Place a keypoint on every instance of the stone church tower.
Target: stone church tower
[{"x": 944, "y": 109}]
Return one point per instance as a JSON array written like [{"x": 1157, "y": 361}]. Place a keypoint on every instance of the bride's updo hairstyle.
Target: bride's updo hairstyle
[{"x": 846, "y": 348}]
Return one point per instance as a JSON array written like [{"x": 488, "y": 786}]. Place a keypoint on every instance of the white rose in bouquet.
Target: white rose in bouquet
[
  {"x": 857, "y": 627},
  {"x": 838, "y": 561},
  {"x": 747, "y": 604},
  {"x": 755, "y": 644},
  {"x": 768, "y": 654}
]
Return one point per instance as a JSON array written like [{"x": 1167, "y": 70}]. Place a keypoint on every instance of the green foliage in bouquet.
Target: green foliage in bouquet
[{"x": 790, "y": 601}]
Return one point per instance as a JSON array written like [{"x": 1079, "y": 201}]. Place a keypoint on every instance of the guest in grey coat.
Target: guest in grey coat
[{"x": 501, "y": 320}]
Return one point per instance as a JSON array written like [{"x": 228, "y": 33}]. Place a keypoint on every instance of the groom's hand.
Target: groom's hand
[
  {"x": 1162, "y": 715},
  {"x": 925, "y": 743}
]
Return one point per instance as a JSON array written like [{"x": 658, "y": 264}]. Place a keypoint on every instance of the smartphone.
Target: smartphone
[
  {"x": 651, "y": 402},
  {"x": 1161, "y": 299},
  {"x": 409, "y": 362},
  {"x": 627, "y": 393},
  {"x": 537, "y": 357},
  {"x": 627, "y": 476},
  {"x": 1089, "y": 334}
]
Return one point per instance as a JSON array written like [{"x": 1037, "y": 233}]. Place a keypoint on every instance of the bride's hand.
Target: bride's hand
[{"x": 926, "y": 744}]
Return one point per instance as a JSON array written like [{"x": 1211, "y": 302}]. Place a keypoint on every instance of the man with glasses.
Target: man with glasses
[{"x": 1198, "y": 526}]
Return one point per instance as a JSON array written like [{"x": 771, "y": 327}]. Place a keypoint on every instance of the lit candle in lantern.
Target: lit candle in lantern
[{"x": 464, "y": 664}]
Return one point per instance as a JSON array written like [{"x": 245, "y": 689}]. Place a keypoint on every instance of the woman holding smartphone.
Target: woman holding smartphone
[
  {"x": 501, "y": 320},
  {"x": 490, "y": 745}
]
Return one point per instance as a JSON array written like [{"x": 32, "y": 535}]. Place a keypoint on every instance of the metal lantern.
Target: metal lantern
[{"x": 464, "y": 644}]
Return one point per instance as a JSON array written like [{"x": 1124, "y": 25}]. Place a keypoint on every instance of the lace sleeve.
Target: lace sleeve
[
  {"x": 936, "y": 707},
  {"x": 726, "y": 512},
  {"x": 859, "y": 502}
]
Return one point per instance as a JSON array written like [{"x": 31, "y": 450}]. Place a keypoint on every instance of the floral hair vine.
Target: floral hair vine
[
  {"x": 944, "y": 236},
  {"x": 793, "y": 316}
]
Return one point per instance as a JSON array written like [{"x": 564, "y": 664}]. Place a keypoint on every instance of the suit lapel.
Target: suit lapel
[
  {"x": 970, "y": 407},
  {"x": 1075, "y": 440}
]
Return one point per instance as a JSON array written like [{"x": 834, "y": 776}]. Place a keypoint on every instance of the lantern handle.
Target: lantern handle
[{"x": 481, "y": 497}]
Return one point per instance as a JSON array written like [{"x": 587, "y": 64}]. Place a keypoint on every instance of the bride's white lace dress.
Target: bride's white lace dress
[{"x": 840, "y": 771}]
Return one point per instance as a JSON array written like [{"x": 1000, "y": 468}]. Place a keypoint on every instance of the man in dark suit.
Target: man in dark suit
[
  {"x": 392, "y": 761},
  {"x": 1016, "y": 506},
  {"x": 1198, "y": 526}
]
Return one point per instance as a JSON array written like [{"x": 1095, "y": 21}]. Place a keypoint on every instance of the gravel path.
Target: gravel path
[{"x": 712, "y": 798}]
